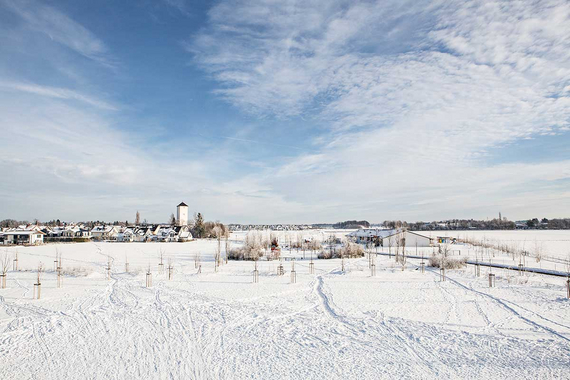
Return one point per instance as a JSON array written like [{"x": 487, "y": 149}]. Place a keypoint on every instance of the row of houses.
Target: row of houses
[{"x": 37, "y": 234}]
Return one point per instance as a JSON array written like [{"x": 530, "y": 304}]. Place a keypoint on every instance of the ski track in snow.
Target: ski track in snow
[{"x": 193, "y": 328}]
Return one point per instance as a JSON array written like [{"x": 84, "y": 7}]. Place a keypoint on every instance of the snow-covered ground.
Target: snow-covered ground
[
  {"x": 552, "y": 247},
  {"x": 328, "y": 325}
]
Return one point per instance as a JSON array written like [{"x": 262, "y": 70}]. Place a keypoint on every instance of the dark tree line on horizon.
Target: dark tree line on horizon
[
  {"x": 493, "y": 224},
  {"x": 349, "y": 224}
]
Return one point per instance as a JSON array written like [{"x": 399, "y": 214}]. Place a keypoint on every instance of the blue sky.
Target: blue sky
[{"x": 284, "y": 111}]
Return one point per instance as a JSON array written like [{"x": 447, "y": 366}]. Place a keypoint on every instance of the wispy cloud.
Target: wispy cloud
[
  {"x": 62, "y": 29},
  {"x": 54, "y": 92},
  {"x": 179, "y": 5}
]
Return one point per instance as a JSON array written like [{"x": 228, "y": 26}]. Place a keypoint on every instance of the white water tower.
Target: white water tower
[{"x": 182, "y": 214}]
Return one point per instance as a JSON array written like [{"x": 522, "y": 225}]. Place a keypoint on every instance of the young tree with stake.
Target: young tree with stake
[{"x": 4, "y": 262}]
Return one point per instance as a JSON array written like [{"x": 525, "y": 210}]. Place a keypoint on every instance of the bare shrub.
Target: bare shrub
[
  {"x": 352, "y": 250},
  {"x": 325, "y": 255},
  {"x": 313, "y": 245},
  {"x": 235, "y": 254},
  {"x": 447, "y": 263},
  {"x": 76, "y": 272},
  {"x": 348, "y": 251},
  {"x": 253, "y": 247}
]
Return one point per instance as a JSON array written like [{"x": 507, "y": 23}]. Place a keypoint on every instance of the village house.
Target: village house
[
  {"x": 105, "y": 232},
  {"x": 126, "y": 235},
  {"x": 26, "y": 237}
]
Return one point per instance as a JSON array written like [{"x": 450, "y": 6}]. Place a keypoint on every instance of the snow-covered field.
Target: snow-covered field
[
  {"x": 328, "y": 325},
  {"x": 553, "y": 247}
]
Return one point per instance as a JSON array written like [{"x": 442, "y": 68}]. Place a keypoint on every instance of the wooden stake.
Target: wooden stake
[
  {"x": 491, "y": 280},
  {"x": 38, "y": 285},
  {"x": 170, "y": 270},
  {"x": 108, "y": 269},
  {"x": 15, "y": 263},
  {"x": 442, "y": 274},
  {"x": 161, "y": 264},
  {"x": 255, "y": 274},
  {"x": 59, "y": 274},
  {"x": 59, "y": 278}
]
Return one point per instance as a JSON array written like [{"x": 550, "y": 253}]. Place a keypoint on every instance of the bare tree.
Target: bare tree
[
  {"x": 197, "y": 260},
  {"x": 109, "y": 266},
  {"x": 538, "y": 249},
  {"x": 59, "y": 269},
  {"x": 568, "y": 276},
  {"x": 403, "y": 257},
  {"x": 170, "y": 269},
  {"x": 390, "y": 244},
  {"x": 148, "y": 277},
  {"x": 444, "y": 251},
  {"x": 15, "y": 264},
  {"x": 227, "y": 244},
  {"x": 398, "y": 240},
  {"x": 161, "y": 263},
  {"x": 218, "y": 256}
]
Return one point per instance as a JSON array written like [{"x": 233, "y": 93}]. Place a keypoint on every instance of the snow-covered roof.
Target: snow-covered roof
[
  {"x": 23, "y": 232},
  {"x": 373, "y": 232},
  {"x": 185, "y": 235}
]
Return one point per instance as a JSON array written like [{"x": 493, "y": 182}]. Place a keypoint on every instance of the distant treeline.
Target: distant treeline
[
  {"x": 472, "y": 224},
  {"x": 351, "y": 224}
]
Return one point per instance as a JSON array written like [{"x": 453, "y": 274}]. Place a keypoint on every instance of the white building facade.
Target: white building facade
[
  {"x": 385, "y": 238},
  {"x": 182, "y": 214}
]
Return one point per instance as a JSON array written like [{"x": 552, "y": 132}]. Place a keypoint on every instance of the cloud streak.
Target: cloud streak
[
  {"x": 62, "y": 29},
  {"x": 54, "y": 92}
]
